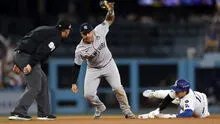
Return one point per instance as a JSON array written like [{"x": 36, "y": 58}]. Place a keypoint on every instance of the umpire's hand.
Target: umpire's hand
[
  {"x": 16, "y": 70},
  {"x": 27, "y": 69},
  {"x": 74, "y": 88}
]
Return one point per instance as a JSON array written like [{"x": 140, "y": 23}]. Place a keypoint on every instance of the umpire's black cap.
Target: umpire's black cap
[
  {"x": 63, "y": 24},
  {"x": 85, "y": 28}
]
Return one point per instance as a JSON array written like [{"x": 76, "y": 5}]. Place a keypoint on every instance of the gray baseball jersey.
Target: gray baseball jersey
[
  {"x": 97, "y": 53},
  {"x": 100, "y": 64}
]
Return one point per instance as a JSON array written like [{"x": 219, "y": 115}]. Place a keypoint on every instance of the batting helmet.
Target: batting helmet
[{"x": 181, "y": 85}]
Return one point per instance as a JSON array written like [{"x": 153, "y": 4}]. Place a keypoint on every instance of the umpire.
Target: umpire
[{"x": 33, "y": 49}]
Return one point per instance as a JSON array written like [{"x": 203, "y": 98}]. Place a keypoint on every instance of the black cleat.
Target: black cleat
[
  {"x": 18, "y": 116},
  {"x": 46, "y": 117}
]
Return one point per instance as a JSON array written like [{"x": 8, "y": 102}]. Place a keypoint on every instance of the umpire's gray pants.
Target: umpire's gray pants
[{"x": 36, "y": 89}]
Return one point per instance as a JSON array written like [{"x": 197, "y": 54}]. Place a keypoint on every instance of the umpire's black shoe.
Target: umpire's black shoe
[
  {"x": 46, "y": 117},
  {"x": 18, "y": 116}
]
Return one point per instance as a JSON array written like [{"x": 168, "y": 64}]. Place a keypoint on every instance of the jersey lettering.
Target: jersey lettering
[
  {"x": 95, "y": 53},
  {"x": 101, "y": 46}
]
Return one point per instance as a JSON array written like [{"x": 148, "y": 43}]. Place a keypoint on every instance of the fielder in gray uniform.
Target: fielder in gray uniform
[{"x": 100, "y": 64}]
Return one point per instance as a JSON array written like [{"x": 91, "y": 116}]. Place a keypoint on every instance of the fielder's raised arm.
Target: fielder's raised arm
[{"x": 109, "y": 6}]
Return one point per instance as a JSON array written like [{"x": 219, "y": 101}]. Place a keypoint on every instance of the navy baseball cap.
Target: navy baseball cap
[
  {"x": 63, "y": 24},
  {"x": 85, "y": 28},
  {"x": 181, "y": 85}
]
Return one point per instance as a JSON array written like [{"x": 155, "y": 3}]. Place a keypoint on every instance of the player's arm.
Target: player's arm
[
  {"x": 188, "y": 108},
  {"x": 109, "y": 6},
  {"x": 76, "y": 69},
  {"x": 166, "y": 101},
  {"x": 110, "y": 16},
  {"x": 186, "y": 113},
  {"x": 103, "y": 28}
]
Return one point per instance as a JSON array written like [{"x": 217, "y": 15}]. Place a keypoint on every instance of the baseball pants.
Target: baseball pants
[
  {"x": 111, "y": 74},
  {"x": 36, "y": 88}
]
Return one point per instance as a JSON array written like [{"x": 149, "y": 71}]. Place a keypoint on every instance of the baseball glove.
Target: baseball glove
[{"x": 104, "y": 4}]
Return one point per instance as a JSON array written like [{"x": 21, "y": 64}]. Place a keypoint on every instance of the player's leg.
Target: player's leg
[
  {"x": 160, "y": 94},
  {"x": 111, "y": 74},
  {"x": 33, "y": 88},
  {"x": 92, "y": 80},
  {"x": 42, "y": 99}
]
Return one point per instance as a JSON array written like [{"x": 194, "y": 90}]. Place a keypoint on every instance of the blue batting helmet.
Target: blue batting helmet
[{"x": 181, "y": 85}]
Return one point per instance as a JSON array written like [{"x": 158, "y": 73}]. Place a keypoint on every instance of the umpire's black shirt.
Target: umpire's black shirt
[{"x": 40, "y": 43}]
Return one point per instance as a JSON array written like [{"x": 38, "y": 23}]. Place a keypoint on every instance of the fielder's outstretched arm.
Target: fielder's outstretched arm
[
  {"x": 156, "y": 113},
  {"x": 109, "y": 6},
  {"x": 110, "y": 16}
]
